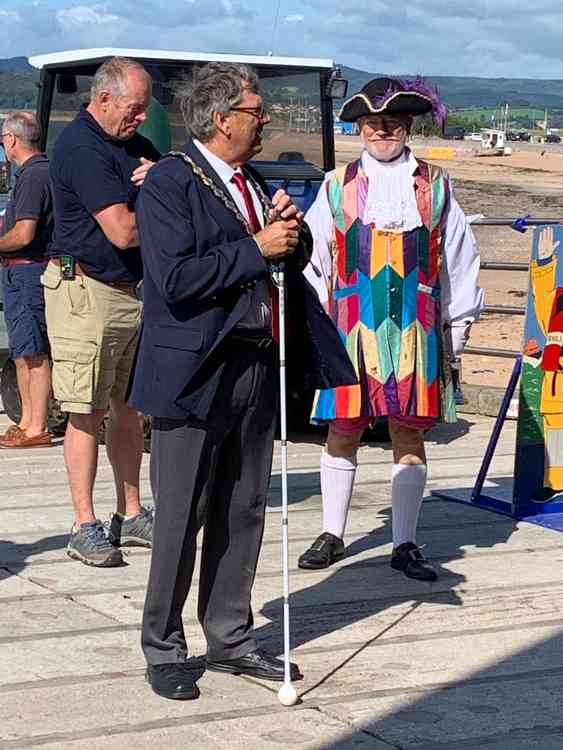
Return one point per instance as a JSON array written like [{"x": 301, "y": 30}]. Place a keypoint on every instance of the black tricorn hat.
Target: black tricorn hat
[{"x": 394, "y": 96}]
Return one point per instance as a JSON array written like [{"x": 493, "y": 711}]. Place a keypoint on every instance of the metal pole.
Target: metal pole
[
  {"x": 487, "y": 265},
  {"x": 504, "y": 222},
  {"x": 488, "y": 457},
  {"x": 486, "y": 352},
  {"x": 505, "y": 309}
]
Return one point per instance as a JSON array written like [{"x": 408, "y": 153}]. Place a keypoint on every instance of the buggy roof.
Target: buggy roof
[{"x": 86, "y": 56}]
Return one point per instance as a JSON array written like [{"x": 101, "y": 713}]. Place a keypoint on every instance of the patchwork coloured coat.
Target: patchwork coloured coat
[{"x": 384, "y": 294}]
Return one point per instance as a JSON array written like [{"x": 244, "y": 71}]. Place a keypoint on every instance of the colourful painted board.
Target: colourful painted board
[{"x": 538, "y": 471}]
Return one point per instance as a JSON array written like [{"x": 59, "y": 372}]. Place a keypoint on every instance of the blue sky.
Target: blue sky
[{"x": 502, "y": 38}]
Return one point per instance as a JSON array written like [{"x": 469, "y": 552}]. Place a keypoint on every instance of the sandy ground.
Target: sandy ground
[{"x": 529, "y": 182}]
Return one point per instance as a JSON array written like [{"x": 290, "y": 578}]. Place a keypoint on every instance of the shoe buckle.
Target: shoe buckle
[
  {"x": 416, "y": 554},
  {"x": 320, "y": 543}
]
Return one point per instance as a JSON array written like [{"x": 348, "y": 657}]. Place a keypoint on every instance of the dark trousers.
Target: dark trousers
[{"x": 216, "y": 472}]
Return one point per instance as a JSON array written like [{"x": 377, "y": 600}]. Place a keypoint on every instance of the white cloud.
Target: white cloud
[
  {"x": 83, "y": 16},
  {"x": 8, "y": 16},
  {"x": 506, "y": 38}
]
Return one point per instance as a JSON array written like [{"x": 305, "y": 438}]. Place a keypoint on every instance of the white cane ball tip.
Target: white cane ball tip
[{"x": 287, "y": 695}]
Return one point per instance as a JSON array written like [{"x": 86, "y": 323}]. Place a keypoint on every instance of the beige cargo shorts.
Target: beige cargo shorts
[{"x": 93, "y": 331}]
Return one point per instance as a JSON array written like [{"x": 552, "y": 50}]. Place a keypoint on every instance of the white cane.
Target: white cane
[{"x": 287, "y": 695}]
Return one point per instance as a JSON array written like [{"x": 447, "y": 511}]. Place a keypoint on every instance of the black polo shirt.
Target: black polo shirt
[
  {"x": 90, "y": 170},
  {"x": 31, "y": 199}
]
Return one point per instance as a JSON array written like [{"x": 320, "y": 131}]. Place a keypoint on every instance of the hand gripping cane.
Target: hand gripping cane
[{"x": 287, "y": 695}]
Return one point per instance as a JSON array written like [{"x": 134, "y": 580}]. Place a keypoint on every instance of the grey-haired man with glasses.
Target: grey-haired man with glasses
[{"x": 206, "y": 371}]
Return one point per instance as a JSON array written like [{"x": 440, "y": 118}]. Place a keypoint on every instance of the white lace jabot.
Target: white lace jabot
[{"x": 391, "y": 202}]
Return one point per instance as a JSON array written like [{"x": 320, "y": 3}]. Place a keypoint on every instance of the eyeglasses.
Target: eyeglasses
[
  {"x": 259, "y": 112},
  {"x": 3, "y": 135}
]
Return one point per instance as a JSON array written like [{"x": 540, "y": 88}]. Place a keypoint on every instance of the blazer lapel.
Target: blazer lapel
[
  {"x": 194, "y": 153},
  {"x": 243, "y": 303},
  {"x": 199, "y": 159}
]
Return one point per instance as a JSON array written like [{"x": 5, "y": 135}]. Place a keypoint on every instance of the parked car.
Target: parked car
[
  {"x": 473, "y": 137},
  {"x": 511, "y": 135},
  {"x": 454, "y": 133},
  {"x": 552, "y": 138},
  {"x": 524, "y": 137}
]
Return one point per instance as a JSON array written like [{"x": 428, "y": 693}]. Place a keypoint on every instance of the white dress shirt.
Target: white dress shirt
[
  {"x": 462, "y": 299},
  {"x": 259, "y": 315},
  {"x": 226, "y": 172}
]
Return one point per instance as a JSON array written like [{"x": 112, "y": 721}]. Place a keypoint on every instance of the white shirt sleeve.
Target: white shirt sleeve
[
  {"x": 318, "y": 271},
  {"x": 462, "y": 298}
]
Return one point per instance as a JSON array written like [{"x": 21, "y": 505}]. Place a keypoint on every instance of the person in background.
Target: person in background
[
  {"x": 93, "y": 312},
  {"x": 396, "y": 265},
  {"x": 25, "y": 234}
]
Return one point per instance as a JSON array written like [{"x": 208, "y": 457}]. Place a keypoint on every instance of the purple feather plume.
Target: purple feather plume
[{"x": 419, "y": 86}]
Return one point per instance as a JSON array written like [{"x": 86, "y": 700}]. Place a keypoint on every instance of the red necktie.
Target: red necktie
[{"x": 240, "y": 181}]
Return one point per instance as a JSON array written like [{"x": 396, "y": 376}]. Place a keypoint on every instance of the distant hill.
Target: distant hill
[
  {"x": 460, "y": 92},
  {"x": 18, "y": 84},
  {"x": 18, "y": 88},
  {"x": 17, "y": 65}
]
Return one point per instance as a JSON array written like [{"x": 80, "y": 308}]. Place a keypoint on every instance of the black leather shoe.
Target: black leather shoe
[
  {"x": 256, "y": 664},
  {"x": 409, "y": 560},
  {"x": 174, "y": 681},
  {"x": 325, "y": 550}
]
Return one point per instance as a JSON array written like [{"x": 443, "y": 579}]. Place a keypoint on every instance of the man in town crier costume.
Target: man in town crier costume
[{"x": 395, "y": 264}]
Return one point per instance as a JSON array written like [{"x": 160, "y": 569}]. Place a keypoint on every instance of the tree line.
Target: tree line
[{"x": 18, "y": 90}]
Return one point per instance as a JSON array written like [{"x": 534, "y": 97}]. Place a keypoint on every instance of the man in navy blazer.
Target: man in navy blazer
[{"x": 206, "y": 372}]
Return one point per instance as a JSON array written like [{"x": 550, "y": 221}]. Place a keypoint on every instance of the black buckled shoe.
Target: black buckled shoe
[
  {"x": 409, "y": 560},
  {"x": 256, "y": 664},
  {"x": 325, "y": 550},
  {"x": 174, "y": 681}
]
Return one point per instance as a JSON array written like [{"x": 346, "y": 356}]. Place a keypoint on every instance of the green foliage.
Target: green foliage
[
  {"x": 472, "y": 112},
  {"x": 473, "y": 118},
  {"x": 470, "y": 124},
  {"x": 426, "y": 126},
  {"x": 18, "y": 90},
  {"x": 518, "y": 117}
]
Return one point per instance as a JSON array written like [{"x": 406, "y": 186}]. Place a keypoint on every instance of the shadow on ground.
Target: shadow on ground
[
  {"x": 514, "y": 704},
  {"x": 15, "y": 557},
  {"x": 333, "y": 604}
]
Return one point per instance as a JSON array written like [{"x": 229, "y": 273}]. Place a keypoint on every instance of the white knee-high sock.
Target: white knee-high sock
[
  {"x": 407, "y": 492},
  {"x": 337, "y": 482}
]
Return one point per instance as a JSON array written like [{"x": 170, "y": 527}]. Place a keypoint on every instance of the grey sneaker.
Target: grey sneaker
[
  {"x": 132, "y": 532},
  {"x": 90, "y": 545}
]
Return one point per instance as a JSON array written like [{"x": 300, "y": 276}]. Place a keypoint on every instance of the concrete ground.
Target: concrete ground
[{"x": 473, "y": 661}]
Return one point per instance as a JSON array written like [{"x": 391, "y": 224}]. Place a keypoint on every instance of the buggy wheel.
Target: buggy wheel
[{"x": 9, "y": 391}]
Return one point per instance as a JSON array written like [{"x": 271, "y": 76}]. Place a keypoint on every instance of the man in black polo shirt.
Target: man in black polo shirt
[
  {"x": 93, "y": 314},
  {"x": 26, "y": 232}
]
